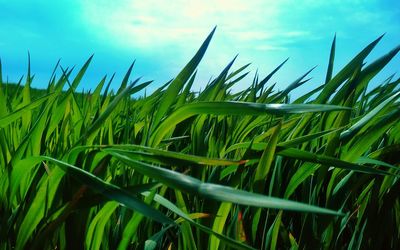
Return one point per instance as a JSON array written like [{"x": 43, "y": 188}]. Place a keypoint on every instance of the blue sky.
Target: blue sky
[{"x": 163, "y": 35}]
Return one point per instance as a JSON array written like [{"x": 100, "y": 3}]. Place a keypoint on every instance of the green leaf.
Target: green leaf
[
  {"x": 20, "y": 172},
  {"x": 95, "y": 232},
  {"x": 305, "y": 171},
  {"x": 268, "y": 77},
  {"x": 81, "y": 73},
  {"x": 216, "y": 192},
  {"x": 124, "y": 82},
  {"x": 297, "y": 83},
  {"x": 5, "y": 121},
  {"x": 172, "y": 207},
  {"x": 331, "y": 61},
  {"x": 110, "y": 108},
  {"x": 111, "y": 191},
  {"x": 219, "y": 224},
  {"x": 166, "y": 157},
  {"x": 329, "y": 161},
  {"x": 37, "y": 209},
  {"x": 133, "y": 225},
  {"x": 349, "y": 133},
  {"x": 177, "y": 84},
  {"x": 234, "y": 108},
  {"x": 264, "y": 165},
  {"x": 346, "y": 72}
]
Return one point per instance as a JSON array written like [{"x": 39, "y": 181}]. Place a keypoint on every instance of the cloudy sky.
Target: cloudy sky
[{"x": 163, "y": 35}]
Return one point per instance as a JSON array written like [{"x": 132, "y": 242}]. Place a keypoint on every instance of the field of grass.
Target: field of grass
[{"x": 211, "y": 170}]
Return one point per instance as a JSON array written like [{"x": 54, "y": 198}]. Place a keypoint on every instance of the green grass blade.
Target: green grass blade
[
  {"x": 177, "y": 84},
  {"x": 234, "y": 108},
  {"x": 37, "y": 209},
  {"x": 329, "y": 161},
  {"x": 217, "y": 192},
  {"x": 331, "y": 61},
  {"x": 4, "y": 121},
  {"x": 111, "y": 191},
  {"x": 297, "y": 83},
  {"x": 133, "y": 225},
  {"x": 304, "y": 172},
  {"x": 166, "y": 157},
  {"x": 219, "y": 224},
  {"x": 81, "y": 73},
  {"x": 20, "y": 172},
  {"x": 172, "y": 207},
  {"x": 125, "y": 80},
  {"x": 236, "y": 72},
  {"x": 346, "y": 72},
  {"x": 95, "y": 232},
  {"x": 268, "y": 77},
  {"x": 110, "y": 108},
  {"x": 264, "y": 165},
  {"x": 349, "y": 133}
]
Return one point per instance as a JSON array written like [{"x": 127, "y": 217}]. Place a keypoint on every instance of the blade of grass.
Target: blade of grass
[
  {"x": 216, "y": 192},
  {"x": 233, "y": 108},
  {"x": 329, "y": 161},
  {"x": 177, "y": 84},
  {"x": 6, "y": 120},
  {"x": 111, "y": 191}
]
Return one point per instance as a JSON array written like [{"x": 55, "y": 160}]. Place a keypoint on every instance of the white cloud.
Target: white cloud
[
  {"x": 252, "y": 35},
  {"x": 262, "y": 31},
  {"x": 269, "y": 47},
  {"x": 296, "y": 33},
  {"x": 152, "y": 23}
]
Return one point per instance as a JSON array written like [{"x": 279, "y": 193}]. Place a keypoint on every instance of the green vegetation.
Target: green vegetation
[{"x": 215, "y": 169}]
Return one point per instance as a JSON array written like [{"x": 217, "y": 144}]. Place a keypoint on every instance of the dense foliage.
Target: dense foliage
[{"x": 215, "y": 169}]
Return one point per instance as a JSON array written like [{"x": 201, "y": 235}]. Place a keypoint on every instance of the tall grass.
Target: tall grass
[{"x": 215, "y": 169}]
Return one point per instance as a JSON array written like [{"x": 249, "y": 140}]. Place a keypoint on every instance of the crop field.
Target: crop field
[{"x": 215, "y": 169}]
